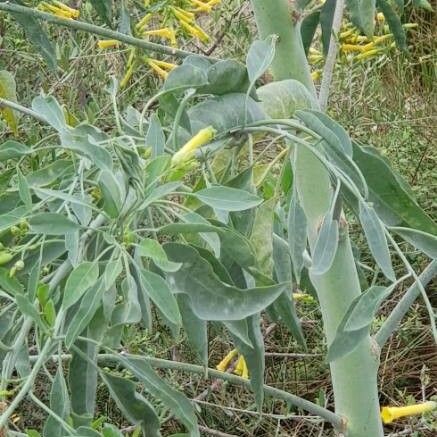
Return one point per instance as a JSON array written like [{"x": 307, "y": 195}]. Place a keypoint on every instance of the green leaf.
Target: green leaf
[
  {"x": 388, "y": 192},
  {"x": 86, "y": 140},
  {"x": 103, "y": 9},
  {"x": 50, "y": 223},
  {"x": 225, "y": 112},
  {"x": 8, "y": 91},
  {"x": 374, "y": 230},
  {"x": 262, "y": 236},
  {"x": 363, "y": 14},
  {"x": 308, "y": 29},
  {"x": 345, "y": 342},
  {"x": 132, "y": 404},
  {"x": 88, "y": 307},
  {"x": 186, "y": 76},
  {"x": 239, "y": 329},
  {"x": 48, "y": 108},
  {"x": 111, "y": 193},
  {"x": 178, "y": 404},
  {"x": 227, "y": 199},
  {"x": 23, "y": 189},
  {"x": 28, "y": 309},
  {"x": 211, "y": 299},
  {"x": 82, "y": 375},
  {"x": 36, "y": 35},
  {"x": 12, "y": 218},
  {"x": 297, "y": 235},
  {"x": 155, "y": 138},
  {"x": 59, "y": 404},
  {"x": 284, "y": 307},
  {"x": 159, "y": 292},
  {"x": 334, "y": 134},
  {"x": 112, "y": 272},
  {"x": 394, "y": 23},
  {"x": 283, "y": 98},
  {"x": 83, "y": 277},
  {"x": 151, "y": 248},
  {"x": 12, "y": 150},
  {"x": 129, "y": 310},
  {"x": 160, "y": 192},
  {"x": 10, "y": 284},
  {"x": 111, "y": 431},
  {"x": 326, "y": 245},
  {"x": 254, "y": 357},
  {"x": 259, "y": 58},
  {"x": 45, "y": 176},
  {"x": 225, "y": 77},
  {"x": 365, "y": 308},
  {"x": 195, "y": 328},
  {"x": 423, "y": 241},
  {"x": 423, "y": 4},
  {"x": 326, "y": 20}
]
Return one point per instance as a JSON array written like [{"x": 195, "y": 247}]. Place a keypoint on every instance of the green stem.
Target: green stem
[
  {"x": 392, "y": 322},
  {"x": 354, "y": 376},
  {"x": 17, "y": 107},
  {"x": 101, "y": 31},
  {"x": 309, "y": 406},
  {"x": 275, "y": 17}
]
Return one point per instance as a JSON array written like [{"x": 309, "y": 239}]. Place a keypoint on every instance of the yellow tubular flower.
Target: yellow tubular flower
[
  {"x": 195, "y": 30},
  {"x": 143, "y": 22},
  {"x": 182, "y": 14},
  {"x": 389, "y": 414},
  {"x": 382, "y": 38},
  {"x": 157, "y": 69},
  {"x": 107, "y": 43},
  {"x": 316, "y": 75},
  {"x": 127, "y": 76},
  {"x": 165, "y": 32},
  {"x": 204, "y": 136},
  {"x": 367, "y": 55},
  {"x": 74, "y": 12},
  {"x": 224, "y": 363},
  {"x": 348, "y": 48},
  {"x": 165, "y": 65},
  {"x": 58, "y": 11},
  {"x": 201, "y": 7}
]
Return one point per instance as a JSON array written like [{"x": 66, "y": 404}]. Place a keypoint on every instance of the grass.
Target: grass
[{"x": 390, "y": 104}]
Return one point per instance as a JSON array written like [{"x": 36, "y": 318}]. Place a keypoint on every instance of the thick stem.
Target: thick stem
[
  {"x": 275, "y": 17},
  {"x": 354, "y": 377}
]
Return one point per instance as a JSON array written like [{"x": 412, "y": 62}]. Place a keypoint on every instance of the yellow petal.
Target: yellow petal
[
  {"x": 107, "y": 43},
  {"x": 224, "y": 363},
  {"x": 389, "y": 414},
  {"x": 204, "y": 136}
]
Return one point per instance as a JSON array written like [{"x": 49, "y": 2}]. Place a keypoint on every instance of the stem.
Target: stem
[
  {"x": 97, "y": 30},
  {"x": 297, "y": 401},
  {"x": 354, "y": 376},
  {"x": 275, "y": 17},
  {"x": 328, "y": 69},
  {"x": 17, "y": 107},
  {"x": 392, "y": 322}
]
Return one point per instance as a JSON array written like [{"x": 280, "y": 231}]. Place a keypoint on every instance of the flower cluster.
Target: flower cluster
[
  {"x": 357, "y": 48},
  {"x": 164, "y": 22}
]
